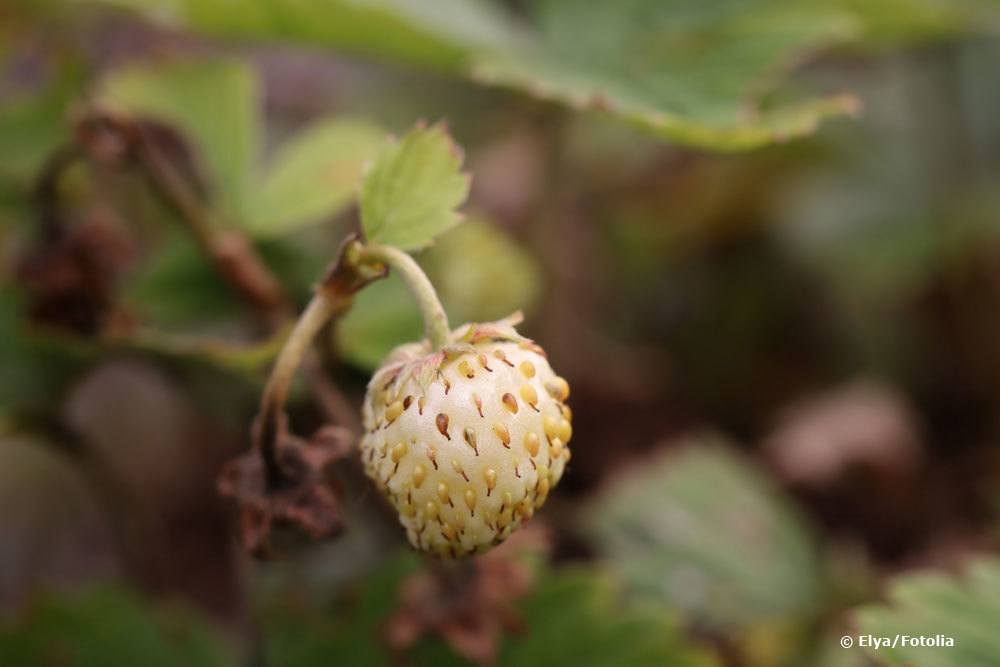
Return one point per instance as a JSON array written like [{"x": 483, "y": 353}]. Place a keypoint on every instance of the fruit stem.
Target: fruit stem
[
  {"x": 317, "y": 313},
  {"x": 435, "y": 319}
]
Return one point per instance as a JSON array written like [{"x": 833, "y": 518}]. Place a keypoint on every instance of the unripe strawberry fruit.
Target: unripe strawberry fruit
[{"x": 467, "y": 442}]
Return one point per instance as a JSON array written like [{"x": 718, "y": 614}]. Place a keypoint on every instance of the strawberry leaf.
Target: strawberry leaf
[
  {"x": 410, "y": 193},
  {"x": 705, "y": 531},
  {"x": 312, "y": 176},
  {"x": 931, "y": 605}
]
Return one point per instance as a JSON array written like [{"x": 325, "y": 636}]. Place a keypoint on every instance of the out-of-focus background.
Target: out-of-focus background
[{"x": 760, "y": 238}]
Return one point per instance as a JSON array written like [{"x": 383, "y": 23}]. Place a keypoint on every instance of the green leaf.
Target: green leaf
[
  {"x": 702, "y": 530},
  {"x": 382, "y": 316},
  {"x": 481, "y": 274},
  {"x": 707, "y": 74},
  {"x": 965, "y": 609},
  {"x": 438, "y": 34},
  {"x": 108, "y": 626},
  {"x": 410, "y": 193},
  {"x": 214, "y": 103},
  {"x": 35, "y": 367},
  {"x": 178, "y": 287},
  {"x": 312, "y": 176},
  {"x": 687, "y": 71},
  {"x": 575, "y": 618},
  {"x": 31, "y": 127}
]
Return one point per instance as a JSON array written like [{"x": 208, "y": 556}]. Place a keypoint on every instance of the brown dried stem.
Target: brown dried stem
[{"x": 232, "y": 255}]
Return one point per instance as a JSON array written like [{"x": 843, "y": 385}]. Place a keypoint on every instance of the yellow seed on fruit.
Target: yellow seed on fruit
[
  {"x": 394, "y": 410},
  {"x": 448, "y": 531},
  {"x": 529, "y": 394},
  {"x": 470, "y": 500},
  {"x": 478, "y": 402},
  {"x": 558, "y": 388},
  {"x": 419, "y": 475},
  {"x": 431, "y": 510},
  {"x": 531, "y": 443},
  {"x": 509, "y": 402},
  {"x": 543, "y": 472},
  {"x": 556, "y": 448},
  {"x": 470, "y": 438},
  {"x": 399, "y": 451},
  {"x": 409, "y": 510},
  {"x": 565, "y": 430},
  {"x": 432, "y": 455},
  {"x": 503, "y": 434},
  {"x": 491, "y": 480},
  {"x": 465, "y": 369},
  {"x": 542, "y": 489},
  {"x": 442, "y": 492},
  {"x": 483, "y": 362},
  {"x": 457, "y": 467},
  {"x": 551, "y": 427},
  {"x": 502, "y": 357},
  {"x": 528, "y": 369},
  {"x": 526, "y": 509},
  {"x": 421, "y": 404},
  {"x": 567, "y": 413}
]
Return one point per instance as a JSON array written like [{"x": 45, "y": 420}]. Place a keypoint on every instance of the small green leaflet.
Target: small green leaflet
[{"x": 410, "y": 193}]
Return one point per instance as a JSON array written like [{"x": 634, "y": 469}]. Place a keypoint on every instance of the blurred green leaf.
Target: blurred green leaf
[
  {"x": 437, "y": 34},
  {"x": 703, "y": 530},
  {"x": 31, "y": 127},
  {"x": 931, "y": 604},
  {"x": 689, "y": 71},
  {"x": 895, "y": 22},
  {"x": 410, "y": 193},
  {"x": 480, "y": 273},
  {"x": 214, "y": 103},
  {"x": 382, "y": 316},
  {"x": 301, "y": 635},
  {"x": 36, "y": 369},
  {"x": 108, "y": 626},
  {"x": 692, "y": 72},
  {"x": 178, "y": 286},
  {"x": 312, "y": 176},
  {"x": 573, "y": 618}
]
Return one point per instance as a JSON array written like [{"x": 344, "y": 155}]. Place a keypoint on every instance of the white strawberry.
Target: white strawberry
[{"x": 468, "y": 441}]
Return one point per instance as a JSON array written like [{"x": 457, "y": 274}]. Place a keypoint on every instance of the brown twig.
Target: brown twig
[
  {"x": 105, "y": 135},
  {"x": 110, "y": 137}
]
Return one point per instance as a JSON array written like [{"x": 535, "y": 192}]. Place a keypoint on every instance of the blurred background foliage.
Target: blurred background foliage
[{"x": 761, "y": 238}]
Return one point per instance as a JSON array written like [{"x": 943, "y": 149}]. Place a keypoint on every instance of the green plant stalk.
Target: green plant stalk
[
  {"x": 436, "y": 326},
  {"x": 322, "y": 308},
  {"x": 313, "y": 318}
]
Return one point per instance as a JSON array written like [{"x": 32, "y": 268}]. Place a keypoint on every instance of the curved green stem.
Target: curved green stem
[
  {"x": 435, "y": 320},
  {"x": 317, "y": 313},
  {"x": 325, "y": 305}
]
